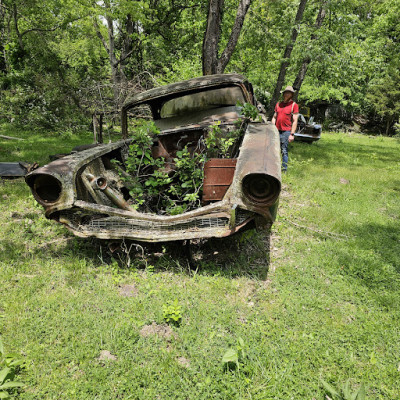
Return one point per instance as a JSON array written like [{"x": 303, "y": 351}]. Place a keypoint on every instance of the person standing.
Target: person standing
[{"x": 285, "y": 118}]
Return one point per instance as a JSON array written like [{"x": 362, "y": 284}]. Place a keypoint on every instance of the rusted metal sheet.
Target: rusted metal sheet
[
  {"x": 218, "y": 176},
  {"x": 16, "y": 169}
]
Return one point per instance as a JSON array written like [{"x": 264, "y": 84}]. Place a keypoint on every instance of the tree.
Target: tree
[
  {"x": 286, "y": 56},
  {"x": 306, "y": 61},
  {"x": 385, "y": 97},
  {"x": 212, "y": 62}
]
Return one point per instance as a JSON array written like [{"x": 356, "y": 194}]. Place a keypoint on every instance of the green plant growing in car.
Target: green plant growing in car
[
  {"x": 153, "y": 188},
  {"x": 220, "y": 143},
  {"x": 172, "y": 313},
  {"x": 143, "y": 175},
  {"x": 149, "y": 183}
]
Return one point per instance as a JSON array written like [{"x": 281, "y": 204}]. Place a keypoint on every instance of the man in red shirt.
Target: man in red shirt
[{"x": 285, "y": 118}]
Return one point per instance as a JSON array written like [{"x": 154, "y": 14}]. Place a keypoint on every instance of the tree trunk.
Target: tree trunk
[
  {"x": 15, "y": 17},
  {"x": 300, "y": 77},
  {"x": 118, "y": 76},
  {"x": 233, "y": 39},
  {"x": 212, "y": 63},
  {"x": 212, "y": 37},
  {"x": 286, "y": 57},
  {"x": 3, "y": 39},
  {"x": 127, "y": 50},
  {"x": 303, "y": 69}
]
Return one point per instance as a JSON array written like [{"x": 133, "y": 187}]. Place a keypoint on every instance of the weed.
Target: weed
[
  {"x": 10, "y": 365},
  {"x": 344, "y": 392},
  {"x": 172, "y": 313},
  {"x": 234, "y": 357}
]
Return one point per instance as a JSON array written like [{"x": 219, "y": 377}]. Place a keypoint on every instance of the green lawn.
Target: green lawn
[{"x": 326, "y": 307}]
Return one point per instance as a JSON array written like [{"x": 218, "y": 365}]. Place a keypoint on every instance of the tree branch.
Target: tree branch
[
  {"x": 51, "y": 29},
  {"x": 99, "y": 35},
  {"x": 233, "y": 39}
]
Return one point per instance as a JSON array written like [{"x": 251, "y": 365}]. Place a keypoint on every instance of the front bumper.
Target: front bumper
[{"x": 219, "y": 220}]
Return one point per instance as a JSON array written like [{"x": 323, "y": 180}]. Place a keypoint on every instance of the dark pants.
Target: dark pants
[{"x": 284, "y": 139}]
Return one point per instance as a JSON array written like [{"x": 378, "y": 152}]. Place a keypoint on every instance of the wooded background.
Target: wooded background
[{"x": 61, "y": 61}]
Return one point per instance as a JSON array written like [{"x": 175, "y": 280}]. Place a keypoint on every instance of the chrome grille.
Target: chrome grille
[
  {"x": 116, "y": 224},
  {"x": 243, "y": 215}
]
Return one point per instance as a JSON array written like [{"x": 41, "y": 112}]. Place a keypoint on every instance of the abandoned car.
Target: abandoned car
[
  {"x": 307, "y": 130},
  {"x": 194, "y": 166}
]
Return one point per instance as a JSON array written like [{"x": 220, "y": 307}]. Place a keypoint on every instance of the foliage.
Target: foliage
[
  {"x": 151, "y": 185},
  {"x": 10, "y": 365},
  {"x": 234, "y": 356},
  {"x": 143, "y": 171},
  {"x": 189, "y": 176},
  {"x": 384, "y": 94},
  {"x": 249, "y": 112},
  {"x": 176, "y": 191},
  {"x": 172, "y": 313},
  {"x": 219, "y": 142},
  {"x": 55, "y": 69}
]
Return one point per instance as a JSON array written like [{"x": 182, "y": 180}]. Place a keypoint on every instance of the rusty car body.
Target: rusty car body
[{"x": 84, "y": 191}]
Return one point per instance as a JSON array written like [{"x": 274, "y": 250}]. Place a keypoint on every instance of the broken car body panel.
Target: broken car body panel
[{"x": 84, "y": 191}]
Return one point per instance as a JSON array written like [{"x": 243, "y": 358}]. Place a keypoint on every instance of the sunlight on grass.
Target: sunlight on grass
[{"x": 326, "y": 308}]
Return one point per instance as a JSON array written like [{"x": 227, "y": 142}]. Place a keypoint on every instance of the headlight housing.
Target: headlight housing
[
  {"x": 261, "y": 188},
  {"x": 45, "y": 188}
]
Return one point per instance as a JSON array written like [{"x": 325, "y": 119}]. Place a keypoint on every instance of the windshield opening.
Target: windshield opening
[{"x": 200, "y": 101}]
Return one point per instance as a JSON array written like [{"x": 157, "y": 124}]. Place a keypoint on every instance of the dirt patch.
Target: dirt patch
[
  {"x": 163, "y": 331},
  {"x": 246, "y": 291},
  {"x": 106, "y": 355},
  {"x": 128, "y": 291},
  {"x": 184, "y": 362}
]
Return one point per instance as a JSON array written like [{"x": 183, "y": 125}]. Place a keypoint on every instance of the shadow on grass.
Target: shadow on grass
[
  {"x": 243, "y": 254},
  {"x": 373, "y": 258}
]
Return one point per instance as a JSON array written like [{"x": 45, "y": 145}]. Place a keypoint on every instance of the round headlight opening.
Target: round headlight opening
[
  {"x": 261, "y": 188},
  {"x": 45, "y": 188}
]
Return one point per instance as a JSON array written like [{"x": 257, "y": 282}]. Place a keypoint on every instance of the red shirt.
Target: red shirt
[{"x": 284, "y": 115}]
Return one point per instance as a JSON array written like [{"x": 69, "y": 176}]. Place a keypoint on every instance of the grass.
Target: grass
[{"x": 325, "y": 308}]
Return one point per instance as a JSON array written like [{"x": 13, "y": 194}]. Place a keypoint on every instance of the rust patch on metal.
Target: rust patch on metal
[{"x": 218, "y": 176}]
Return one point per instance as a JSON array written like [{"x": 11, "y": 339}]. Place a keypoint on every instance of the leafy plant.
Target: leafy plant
[
  {"x": 220, "y": 143},
  {"x": 148, "y": 182},
  {"x": 143, "y": 175},
  {"x": 344, "y": 392},
  {"x": 10, "y": 364},
  {"x": 234, "y": 357},
  {"x": 172, "y": 313},
  {"x": 189, "y": 175},
  {"x": 249, "y": 112}
]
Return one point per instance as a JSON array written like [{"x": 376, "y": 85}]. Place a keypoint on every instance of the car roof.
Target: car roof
[{"x": 183, "y": 87}]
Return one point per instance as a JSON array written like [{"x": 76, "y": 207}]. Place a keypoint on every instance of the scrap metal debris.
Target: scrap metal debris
[{"x": 16, "y": 169}]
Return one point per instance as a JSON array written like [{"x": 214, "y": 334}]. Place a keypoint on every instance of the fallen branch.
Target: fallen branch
[
  {"x": 332, "y": 234},
  {"x": 10, "y": 137}
]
